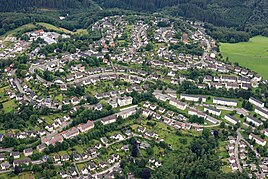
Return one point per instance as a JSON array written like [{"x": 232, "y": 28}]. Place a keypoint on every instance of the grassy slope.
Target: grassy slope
[
  {"x": 252, "y": 54},
  {"x": 52, "y": 27},
  {"x": 25, "y": 27},
  {"x": 29, "y": 27}
]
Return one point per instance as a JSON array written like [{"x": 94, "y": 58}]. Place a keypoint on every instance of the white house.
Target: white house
[
  {"x": 177, "y": 104},
  {"x": 85, "y": 127},
  {"x": 225, "y": 102},
  {"x": 265, "y": 131},
  {"x": 257, "y": 139},
  {"x": 213, "y": 111},
  {"x": 256, "y": 102},
  {"x": 194, "y": 98},
  {"x": 231, "y": 119},
  {"x": 262, "y": 111},
  {"x": 193, "y": 111},
  {"x": 211, "y": 119},
  {"x": 124, "y": 101},
  {"x": 254, "y": 121},
  {"x": 108, "y": 119}
]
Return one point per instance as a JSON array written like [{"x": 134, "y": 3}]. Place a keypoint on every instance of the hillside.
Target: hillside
[{"x": 228, "y": 21}]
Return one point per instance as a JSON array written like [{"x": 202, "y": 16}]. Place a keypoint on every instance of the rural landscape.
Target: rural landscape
[{"x": 123, "y": 89}]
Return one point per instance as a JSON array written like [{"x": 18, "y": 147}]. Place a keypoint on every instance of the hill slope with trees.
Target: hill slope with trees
[{"x": 22, "y": 5}]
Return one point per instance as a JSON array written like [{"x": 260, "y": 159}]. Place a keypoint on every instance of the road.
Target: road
[
  {"x": 248, "y": 144},
  {"x": 236, "y": 151},
  {"x": 6, "y": 149},
  {"x": 110, "y": 169}
]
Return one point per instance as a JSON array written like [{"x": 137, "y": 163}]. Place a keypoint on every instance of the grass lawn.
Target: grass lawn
[
  {"x": 81, "y": 31},
  {"x": 24, "y": 175},
  {"x": 226, "y": 169},
  {"x": 79, "y": 149},
  {"x": 222, "y": 151},
  {"x": 9, "y": 105},
  {"x": 52, "y": 27},
  {"x": 252, "y": 54},
  {"x": 49, "y": 119}
]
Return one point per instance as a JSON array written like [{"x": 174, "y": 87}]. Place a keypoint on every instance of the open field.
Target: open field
[{"x": 252, "y": 54}]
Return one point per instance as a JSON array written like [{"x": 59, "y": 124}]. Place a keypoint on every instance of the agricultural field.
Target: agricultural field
[{"x": 252, "y": 54}]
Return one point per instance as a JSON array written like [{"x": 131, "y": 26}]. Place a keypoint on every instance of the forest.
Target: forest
[{"x": 24, "y": 5}]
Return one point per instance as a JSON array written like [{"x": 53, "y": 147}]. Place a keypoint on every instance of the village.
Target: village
[{"x": 125, "y": 85}]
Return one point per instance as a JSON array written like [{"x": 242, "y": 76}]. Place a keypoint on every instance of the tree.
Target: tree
[
  {"x": 146, "y": 173},
  {"x": 149, "y": 46},
  {"x": 134, "y": 149},
  {"x": 206, "y": 133},
  {"x": 17, "y": 170},
  {"x": 222, "y": 124},
  {"x": 196, "y": 119}
]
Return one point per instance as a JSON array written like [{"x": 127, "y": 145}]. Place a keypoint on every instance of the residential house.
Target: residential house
[
  {"x": 262, "y": 111},
  {"x": 70, "y": 133},
  {"x": 195, "y": 98},
  {"x": 85, "y": 127},
  {"x": 177, "y": 104},
  {"x": 28, "y": 152},
  {"x": 124, "y": 101},
  {"x": 231, "y": 119},
  {"x": 257, "y": 139},
  {"x": 225, "y": 102},
  {"x": 254, "y": 121},
  {"x": 213, "y": 111},
  {"x": 15, "y": 155},
  {"x": 109, "y": 119},
  {"x": 41, "y": 147},
  {"x": 5, "y": 165},
  {"x": 196, "y": 112}
]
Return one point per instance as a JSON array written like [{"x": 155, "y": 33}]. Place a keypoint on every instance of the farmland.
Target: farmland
[{"x": 252, "y": 54}]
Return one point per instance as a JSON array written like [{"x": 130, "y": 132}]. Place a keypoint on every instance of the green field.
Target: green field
[
  {"x": 252, "y": 54},
  {"x": 9, "y": 105},
  {"x": 54, "y": 28}
]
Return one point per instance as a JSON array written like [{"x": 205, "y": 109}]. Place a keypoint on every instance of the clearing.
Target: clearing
[{"x": 54, "y": 28}]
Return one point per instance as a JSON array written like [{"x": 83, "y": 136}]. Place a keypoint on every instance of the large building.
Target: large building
[
  {"x": 231, "y": 119},
  {"x": 256, "y": 102},
  {"x": 225, "y": 102},
  {"x": 211, "y": 119},
  {"x": 213, "y": 111},
  {"x": 124, "y": 101},
  {"x": 257, "y": 139},
  {"x": 254, "y": 121},
  {"x": 85, "y": 127},
  {"x": 177, "y": 104},
  {"x": 195, "y": 98},
  {"x": 262, "y": 111},
  {"x": 108, "y": 119},
  {"x": 196, "y": 112}
]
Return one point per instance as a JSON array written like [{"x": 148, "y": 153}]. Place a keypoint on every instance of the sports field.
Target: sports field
[{"x": 252, "y": 54}]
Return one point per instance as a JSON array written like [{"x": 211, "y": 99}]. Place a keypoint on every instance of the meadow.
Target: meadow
[{"x": 252, "y": 54}]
